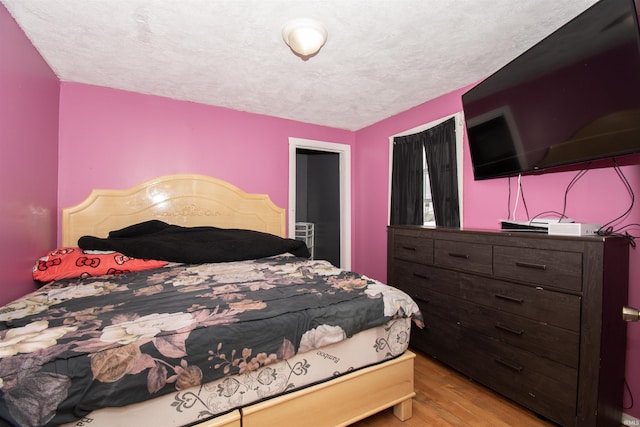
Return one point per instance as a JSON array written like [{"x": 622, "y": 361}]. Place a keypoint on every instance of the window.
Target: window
[
  {"x": 425, "y": 187},
  {"x": 428, "y": 214}
]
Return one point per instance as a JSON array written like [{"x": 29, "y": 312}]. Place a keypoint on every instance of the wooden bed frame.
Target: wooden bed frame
[{"x": 196, "y": 200}]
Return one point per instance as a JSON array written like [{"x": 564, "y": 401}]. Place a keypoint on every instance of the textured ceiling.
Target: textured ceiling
[{"x": 382, "y": 57}]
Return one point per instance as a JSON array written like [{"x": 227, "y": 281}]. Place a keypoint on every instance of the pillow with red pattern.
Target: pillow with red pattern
[{"x": 68, "y": 263}]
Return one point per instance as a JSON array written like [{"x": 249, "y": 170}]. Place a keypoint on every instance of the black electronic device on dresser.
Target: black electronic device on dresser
[{"x": 537, "y": 318}]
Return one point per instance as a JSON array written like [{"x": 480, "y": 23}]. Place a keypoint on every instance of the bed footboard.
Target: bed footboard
[
  {"x": 342, "y": 401},
  {"x": 232, "y": 419}
]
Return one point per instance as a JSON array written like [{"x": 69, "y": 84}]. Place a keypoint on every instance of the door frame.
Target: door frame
[{"x": 344, "y": 152}]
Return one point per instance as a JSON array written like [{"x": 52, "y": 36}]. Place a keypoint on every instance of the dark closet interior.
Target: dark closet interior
[{"x": 318, "y": 200}]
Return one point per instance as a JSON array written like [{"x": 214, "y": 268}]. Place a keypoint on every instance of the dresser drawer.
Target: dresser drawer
[
  {"x": 543, "y": 267},
  {"x": 541, "y": 305},
  {"x": 547, "y": 387},
  {"x": 441, "y": 305},
  {"x": 539, "y": 338},
  {"x": 473, "y": 257},
  {"x": 440, "y": 335},
  {"x": 413, "y": 248},
  {"x": 440, "y": 339},
  {"x": 415, "y": 278}
]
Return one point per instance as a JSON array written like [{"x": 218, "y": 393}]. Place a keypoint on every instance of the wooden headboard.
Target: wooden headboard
[{"x": 188, "y": 200}]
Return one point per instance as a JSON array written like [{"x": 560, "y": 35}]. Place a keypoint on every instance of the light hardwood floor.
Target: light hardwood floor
[{"x": 444, "y": 398}]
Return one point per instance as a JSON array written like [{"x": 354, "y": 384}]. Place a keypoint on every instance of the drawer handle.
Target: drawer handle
[
  {"x": 457, "y": 255},
  {"x": 409, "y": 248},
  {"x": 529, "y": 265},
  {"x": 508, "y": 329},
  {"x": 508, "y": 364},
  {"x": 421, "y": 276},
  {"x": 508, "y": 298}
]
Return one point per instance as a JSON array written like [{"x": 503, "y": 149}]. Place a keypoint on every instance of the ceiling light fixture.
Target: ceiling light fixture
[{"x": 305, "y": 37}]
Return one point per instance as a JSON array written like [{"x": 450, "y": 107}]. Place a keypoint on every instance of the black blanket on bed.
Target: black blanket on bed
[{"x": 159, "y": 240}]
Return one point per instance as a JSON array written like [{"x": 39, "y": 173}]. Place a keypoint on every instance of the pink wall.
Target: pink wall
[
  {"x": 598, "y": 197},
  {"x": 117, "y": 139},
  {"x": 29, "y": 95}
]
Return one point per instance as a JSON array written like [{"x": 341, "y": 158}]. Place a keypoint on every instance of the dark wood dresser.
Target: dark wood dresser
[{"x": 537, "y": 318}]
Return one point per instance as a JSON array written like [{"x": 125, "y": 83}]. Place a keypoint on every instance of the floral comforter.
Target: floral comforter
[{"x": 78, "y": 345}]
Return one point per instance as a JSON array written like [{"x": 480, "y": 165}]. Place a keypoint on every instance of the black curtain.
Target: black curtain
[
  {"x": 440, "y": 148},
  {"x": 439, "y": 145},
  {"x": 407, "y": 180}
]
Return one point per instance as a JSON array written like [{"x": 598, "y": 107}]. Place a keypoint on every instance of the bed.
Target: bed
[{"x": 354, "y": 367}]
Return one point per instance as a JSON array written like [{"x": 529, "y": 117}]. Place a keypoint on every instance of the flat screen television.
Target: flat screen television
[{"x": 572, "y": 98}]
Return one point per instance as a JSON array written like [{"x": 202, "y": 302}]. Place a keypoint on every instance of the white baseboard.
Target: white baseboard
[{"x": 628, "y": 420}]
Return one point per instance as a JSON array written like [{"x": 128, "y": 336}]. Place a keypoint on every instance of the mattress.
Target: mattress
[
  {"x": 200, "y": 403},
  {"x": 78, "y": 345}
]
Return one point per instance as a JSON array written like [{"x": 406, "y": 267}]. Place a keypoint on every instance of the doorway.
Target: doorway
[{"x": 320, "y": 194}]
